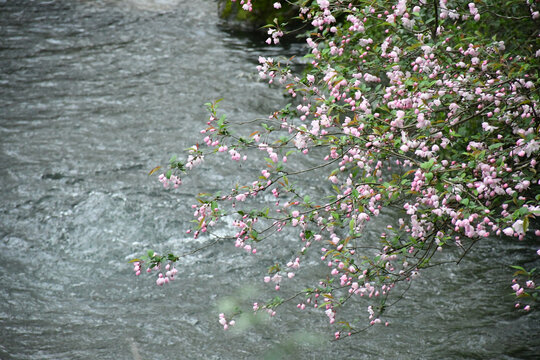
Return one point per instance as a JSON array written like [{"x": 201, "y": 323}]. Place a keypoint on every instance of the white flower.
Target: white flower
[
  {"x": 518, "y": 227},
  {"x": 532, "y": 146},
  {"x": 323, "y": 4},
  {"x": 488, "y": 127},
  {"x": 508, "y": 231}
]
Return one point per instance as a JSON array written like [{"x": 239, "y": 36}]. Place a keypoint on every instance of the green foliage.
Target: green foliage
[{"x": 262, "y": 14}]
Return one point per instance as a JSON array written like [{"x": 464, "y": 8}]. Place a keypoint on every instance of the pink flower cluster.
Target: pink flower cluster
[
  {"x": 442, "y": 127},
  {"x": 224, "y": 322},
  {"x": 521, "y": 292},
  {"x": 175, "y": 180},
  {"x": 169, "y": 275},
  {"x": 246, "y": 4},
  {"x": 162, "y": 279}
]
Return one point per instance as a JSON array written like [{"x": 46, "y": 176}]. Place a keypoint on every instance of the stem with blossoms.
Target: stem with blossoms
[{"x": 421, "y": 117}]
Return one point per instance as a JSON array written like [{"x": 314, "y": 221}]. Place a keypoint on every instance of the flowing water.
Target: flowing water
[{"x": 94, "y": 94}]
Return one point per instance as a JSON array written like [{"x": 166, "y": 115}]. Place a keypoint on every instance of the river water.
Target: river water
[{"x": 94, "y": 94}]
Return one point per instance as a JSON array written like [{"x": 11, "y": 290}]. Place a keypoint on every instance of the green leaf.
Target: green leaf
[
  {"x": 427, "y": 165},
  {"x": 495, "y": 146},
  {"x": 290, "y": 152},
  {"x": 273, "y": 269},
  {"x": 172, "y": 257},
  {"x": 518, "y": 267}
]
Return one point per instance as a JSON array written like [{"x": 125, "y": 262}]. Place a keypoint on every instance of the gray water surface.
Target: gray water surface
[{"x": 94, "y": 94}]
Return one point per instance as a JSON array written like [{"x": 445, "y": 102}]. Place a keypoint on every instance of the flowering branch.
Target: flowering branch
[{"x": 408, "y": 108}]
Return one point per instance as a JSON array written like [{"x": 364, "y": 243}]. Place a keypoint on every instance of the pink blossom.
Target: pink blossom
[
  {"x": 323, "y": 4},
  {"x": 399, "y": 118},
  {"x": 240, "y": 197},
  {"x": 508, "y": 231},
  {"x": 518, "y": 227}
]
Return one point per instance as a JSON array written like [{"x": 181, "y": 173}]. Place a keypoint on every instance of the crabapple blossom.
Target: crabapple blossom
[{"x": 396, "y": 112}]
